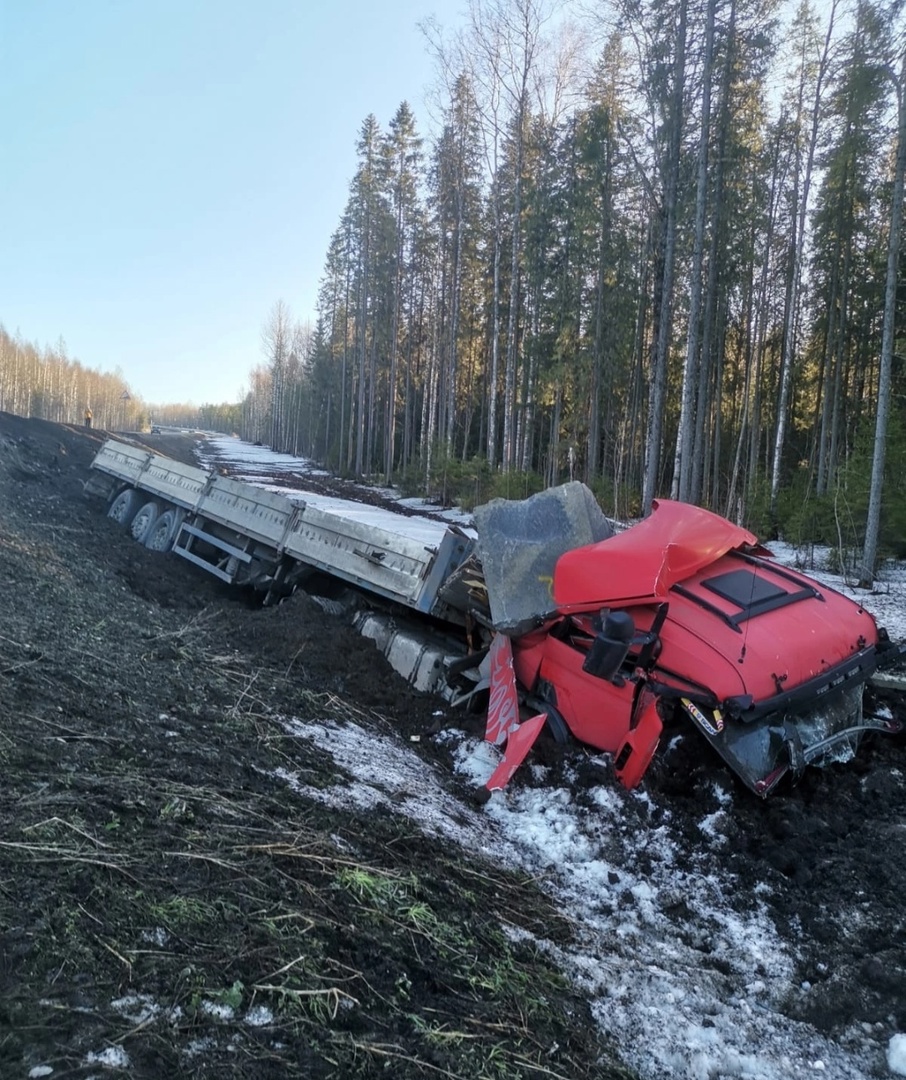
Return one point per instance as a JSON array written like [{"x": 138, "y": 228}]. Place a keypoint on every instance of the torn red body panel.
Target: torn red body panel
[
  {"x": 503, "y": 704},
  {"x": 641, "y": 564},
  {"x": 520, "y": 741},
  {"x": 632, "y": 759}
]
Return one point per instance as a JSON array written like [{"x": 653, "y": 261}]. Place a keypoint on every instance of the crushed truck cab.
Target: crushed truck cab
[{"x": 683, "y": 616}]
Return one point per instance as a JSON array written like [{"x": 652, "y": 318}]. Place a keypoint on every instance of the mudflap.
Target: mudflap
[
  {"x": 638, "y": 748},
  {"x": 518, "y": 745}
]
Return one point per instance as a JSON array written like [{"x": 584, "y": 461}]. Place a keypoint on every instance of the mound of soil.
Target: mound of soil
[{"x": 168, "y": 907}]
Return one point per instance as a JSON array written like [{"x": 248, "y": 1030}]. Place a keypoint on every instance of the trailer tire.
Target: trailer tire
[
  {"x": 124, "y": 507},
  {"x": 144, "y": 521},
  {"x": 162, "y": 533}
]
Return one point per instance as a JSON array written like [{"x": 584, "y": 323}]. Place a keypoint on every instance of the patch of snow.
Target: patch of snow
[
  {"x": 137, "y": 1008},
  {"x": 391, "y": 775},
  {"x": 259, "y": 1016},
  {"x": 711, "y": 826},
  {"x": 39, "y": 1070},
  {"x": 684, "y": 981},
  {"x": 896, "y": 1055},
  {"x": 113, "y": 1057},
  {"x": 200, "y": 1046},
  {"x": 157, "y": 936},
  {"x": 218, "y": 1010}
]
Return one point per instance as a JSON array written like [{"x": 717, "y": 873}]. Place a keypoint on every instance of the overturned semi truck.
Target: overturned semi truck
[{"x": 551, "y": 617}]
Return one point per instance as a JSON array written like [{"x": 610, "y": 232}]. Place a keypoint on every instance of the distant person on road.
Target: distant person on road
[{"x": 88, "y": 417}]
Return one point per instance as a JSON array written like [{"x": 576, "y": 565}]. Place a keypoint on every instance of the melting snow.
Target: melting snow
[
  {"x": 114, "y": 1057},
  {"x": 259, "y": 1016},
  {"x": 896, "y": 1055},
  {"x": 689, "y": 986}
]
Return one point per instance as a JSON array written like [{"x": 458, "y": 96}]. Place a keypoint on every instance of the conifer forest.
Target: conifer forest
[{"x": 653, "y": 245}]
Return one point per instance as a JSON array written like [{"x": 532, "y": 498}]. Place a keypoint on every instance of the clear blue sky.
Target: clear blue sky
[{"x": 172, "y": 168}]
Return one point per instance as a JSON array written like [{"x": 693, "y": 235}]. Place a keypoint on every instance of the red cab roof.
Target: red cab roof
[{"x": 641, "y": 564}]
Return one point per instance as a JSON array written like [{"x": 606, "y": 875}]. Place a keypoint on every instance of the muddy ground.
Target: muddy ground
[{"x": 167, "y": 909}]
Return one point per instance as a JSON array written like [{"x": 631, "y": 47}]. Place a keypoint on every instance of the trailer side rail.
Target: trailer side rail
[
  {"x": 172, "y": 480},
  {"x": 249, "y": 510},
  {"x": 122, "y": 461}
]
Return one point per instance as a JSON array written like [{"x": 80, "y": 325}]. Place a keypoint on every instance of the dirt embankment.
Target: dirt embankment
[{"x": 168, "y": 906}]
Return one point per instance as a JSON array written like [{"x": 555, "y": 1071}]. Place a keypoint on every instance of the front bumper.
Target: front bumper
[
  {"x": 763, "y": 752},
  {"x": 816, "y": 724}
]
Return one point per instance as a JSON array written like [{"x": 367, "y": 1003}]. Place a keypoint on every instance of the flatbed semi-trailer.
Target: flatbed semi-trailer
[{"x": 247, "y": 535}]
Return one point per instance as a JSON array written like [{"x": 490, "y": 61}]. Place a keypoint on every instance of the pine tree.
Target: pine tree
[{"x": 402, "y": 148}]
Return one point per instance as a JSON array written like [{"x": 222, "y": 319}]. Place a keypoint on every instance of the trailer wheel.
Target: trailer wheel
[
  {"x": 124, "y": 506},
  {"x": 144, "y": 521},
  {"x": 162, "y": 533}
]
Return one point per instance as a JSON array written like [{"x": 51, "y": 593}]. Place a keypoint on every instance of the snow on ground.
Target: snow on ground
[
  {"x": 887, "y": 602},
  {"x": 687, "y": 975},
  {"x": 896, "y": 1055},
  {"x": 260, "y": 466},
  {"x": 695, "y": 996}
]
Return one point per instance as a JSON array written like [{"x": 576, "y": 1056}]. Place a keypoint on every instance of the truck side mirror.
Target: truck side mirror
[{"x": 610, "y": 646}]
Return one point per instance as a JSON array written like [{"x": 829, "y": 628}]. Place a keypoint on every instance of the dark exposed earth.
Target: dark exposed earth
[{"x": 167, "y": 909}]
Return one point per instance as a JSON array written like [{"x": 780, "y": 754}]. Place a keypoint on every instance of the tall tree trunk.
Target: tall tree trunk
[
  {"x": 787, "y": 357},
  {"x": 662, "y": 346},
  {"x": 682, "y": 466},
  {"x": 508, "y": 457},
  {"x": 495, "y": 337},
  {"x": 873, "y": 523}
]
